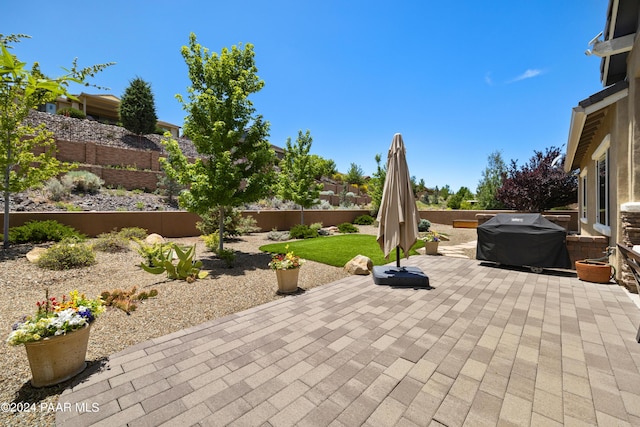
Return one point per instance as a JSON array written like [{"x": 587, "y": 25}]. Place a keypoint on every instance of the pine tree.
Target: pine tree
[{"x": 137, "y": 108}]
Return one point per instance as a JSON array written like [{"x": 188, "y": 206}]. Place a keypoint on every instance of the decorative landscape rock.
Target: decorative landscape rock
[
  {"x": 154, "y": 238},
  {"x": 34, "y": 254},
  {"x": 360, "y": 265}
]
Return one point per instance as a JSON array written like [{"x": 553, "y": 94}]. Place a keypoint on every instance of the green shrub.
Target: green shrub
[
  {"x": 424, "y": 225},
  {"x": 302, "y": 231},
  {"x": 278, "y": 236},
  {"x": 43, "y": 231},
  {"x": 316, "y": 226},
  {"x": 71, "y": 112},
  {"x": 69, "y": 207},
  {"x": 212, "y": 242},
  {"x": 66, "y": 255},
  {"x": 56, "y": 190},
  {"x": 228, "y": 256},
  {"x": 210, "y": 222},
  {"x": 131, "y": 233},
  {"x": 347, "y": 227},
  {"x": 82, "y": 182},
  {"x": 247, "y": 225},
  {"x": 111, "y": 242},
  {"x": 364, "y": 220}
]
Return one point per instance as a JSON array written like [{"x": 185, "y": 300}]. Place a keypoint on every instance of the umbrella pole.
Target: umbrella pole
[{"x": 398, "y": 256}]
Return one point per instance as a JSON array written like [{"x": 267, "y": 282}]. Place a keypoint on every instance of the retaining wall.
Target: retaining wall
[{"x": 182, "y": 224}]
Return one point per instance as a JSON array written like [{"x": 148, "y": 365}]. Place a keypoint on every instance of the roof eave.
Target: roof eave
[
  {"x": 581, "y": 112},
  {"x": 578, "y": 118}
]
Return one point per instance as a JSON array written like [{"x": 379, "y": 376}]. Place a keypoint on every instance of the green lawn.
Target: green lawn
[{"x": 338, "y": 250}]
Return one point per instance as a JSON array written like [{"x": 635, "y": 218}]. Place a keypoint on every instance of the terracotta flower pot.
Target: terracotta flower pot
[
  {"x": 593, "y": 271},
  {"x": 56, "y": 359},
  {"x": 287, "y": 280},
  {"x": 431, "y": 248}
]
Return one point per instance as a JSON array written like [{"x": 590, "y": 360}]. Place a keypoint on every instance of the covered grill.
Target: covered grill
[{"x": 523, "y": 240}]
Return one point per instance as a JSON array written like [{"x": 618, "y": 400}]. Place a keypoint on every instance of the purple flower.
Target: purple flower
[{"x": 86, "y": 313}]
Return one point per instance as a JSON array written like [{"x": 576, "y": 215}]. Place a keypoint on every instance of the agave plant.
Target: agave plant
[{"x": 186, "y": 268}]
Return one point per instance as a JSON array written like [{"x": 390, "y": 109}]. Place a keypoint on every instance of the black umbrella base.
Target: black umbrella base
[{"x": 409, "y": 277}]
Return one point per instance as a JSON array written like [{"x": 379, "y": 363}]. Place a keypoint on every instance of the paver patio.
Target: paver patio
[{"x": 486, "y": 346}]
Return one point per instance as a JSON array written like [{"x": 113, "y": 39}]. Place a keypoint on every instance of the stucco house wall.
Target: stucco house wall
[{"x": 610, "y": 117}]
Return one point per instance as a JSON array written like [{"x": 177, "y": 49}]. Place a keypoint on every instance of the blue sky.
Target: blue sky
[{"x": 459, "y": 80}]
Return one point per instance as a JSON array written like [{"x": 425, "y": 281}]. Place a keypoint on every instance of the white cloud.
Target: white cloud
[
  {"x": 529, "y": 74},
  {"x": 487, "y": 79}
]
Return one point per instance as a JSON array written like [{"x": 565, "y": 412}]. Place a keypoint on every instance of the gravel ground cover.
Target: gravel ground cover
[{"x": 178, "y": 305}]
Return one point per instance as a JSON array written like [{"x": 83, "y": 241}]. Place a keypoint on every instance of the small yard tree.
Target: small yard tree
[
  {"x": 323, "y": 167},
  {"x": 458, "y": 200},
  {"x": 27, "y": 154},
  {"x": 376, "y": 184},
  {"x": 298, "y": 169},
  {"x": 491, "y": 181},
  {"x": 236, "y": 160},
  {"x": 355, "y": 175},
  {"x": 138, "y": 108},
  {"x": 540, "y": 184}
]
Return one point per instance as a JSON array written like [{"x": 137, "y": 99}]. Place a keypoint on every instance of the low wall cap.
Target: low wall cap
[{"x": 630, "y": 207}]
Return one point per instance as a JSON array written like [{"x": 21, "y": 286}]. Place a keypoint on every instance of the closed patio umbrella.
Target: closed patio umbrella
[{"x": 398, "y": 219}]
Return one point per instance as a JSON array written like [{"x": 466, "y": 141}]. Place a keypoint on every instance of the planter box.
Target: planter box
[
  {"x": 56, "y": 359},
  {"x": 592, "y": 271},
  {"x": 287, "y": 281},
  {"x": 431, "y": 248}
]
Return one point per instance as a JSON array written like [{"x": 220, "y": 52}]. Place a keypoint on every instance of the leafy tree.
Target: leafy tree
[
  {"x": 236, "y": 160},
  {"x": 138, "y": 109},
  {"x": 436, "y": 195},
  {"x": 168, "y": 186},
  {"x": 540, "y": 184},
  {"x": 491, "y": 180},
  {"x": 376, "y": 185},
  {"x": 455, "y": 201},
  {"x": 445, "y": 192},
  {"x": 296, "y": 181},
  {"x": 355, "y": 175},
  {"x": 323, "y": 167},
  {"x": 22, "y": 147}
]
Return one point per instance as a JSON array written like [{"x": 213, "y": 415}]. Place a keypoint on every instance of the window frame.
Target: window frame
[
  {"x": 602, "y": 156},
  {"x": 584, "y": 195}
]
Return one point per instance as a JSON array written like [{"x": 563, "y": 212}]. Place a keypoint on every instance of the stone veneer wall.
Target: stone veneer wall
[{"x": 630, "y": 219}]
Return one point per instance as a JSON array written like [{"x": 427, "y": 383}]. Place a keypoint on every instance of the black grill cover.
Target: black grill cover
[{"x": 523, "y": 240}]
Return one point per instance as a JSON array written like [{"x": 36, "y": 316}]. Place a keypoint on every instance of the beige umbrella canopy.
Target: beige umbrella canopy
[{"x": 398, "y": 215}]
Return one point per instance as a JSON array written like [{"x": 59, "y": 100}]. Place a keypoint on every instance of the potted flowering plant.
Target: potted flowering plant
[
  {"x": 287, "y": 267},
  {"x": 431, "y": 240},
  {"x": 56, "y": 336}
]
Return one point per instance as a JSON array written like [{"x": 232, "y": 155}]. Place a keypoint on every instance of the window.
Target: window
[
  {"x": 601, "y": 157},
  {"x": 583, "y": 195}
]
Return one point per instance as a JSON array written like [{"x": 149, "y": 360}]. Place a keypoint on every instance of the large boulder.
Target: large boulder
[{"x": 360, "y": 265}]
